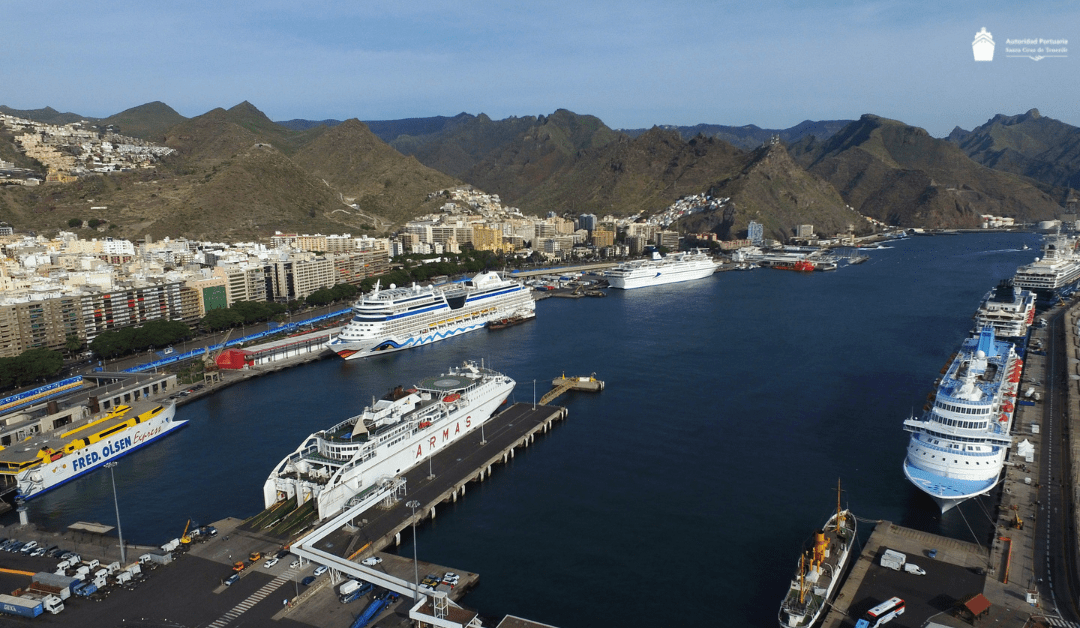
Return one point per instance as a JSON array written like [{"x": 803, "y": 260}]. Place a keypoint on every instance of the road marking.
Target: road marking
[{"x": 254, "y": 599}]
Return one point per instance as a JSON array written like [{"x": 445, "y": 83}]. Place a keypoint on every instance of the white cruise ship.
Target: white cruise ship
[
  {"x": 958, "y": 447},
  {"x": 45, "y": 461},
  {"x": 402, "y": 318},
  {"x": 1008, "y": 309},
  {"x": 661, "y": 270},
  {"x": 387, "y": 439},
  {"x": 1056, "y": 273}
]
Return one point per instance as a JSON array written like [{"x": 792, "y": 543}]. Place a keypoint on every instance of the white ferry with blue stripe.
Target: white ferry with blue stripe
[
  {"x": 958, "y": 447},
  {"x": 402, "y": 318}
]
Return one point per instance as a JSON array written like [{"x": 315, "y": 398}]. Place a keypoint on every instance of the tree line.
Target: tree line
[
  {"x": 160, "y": 334},
  {"x": 30, "y": 366}
]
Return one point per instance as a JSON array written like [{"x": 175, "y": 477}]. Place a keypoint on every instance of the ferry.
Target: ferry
[
  {"x": 387, "y": 439},
  {"x": 958, "y": 446},
  {"x": 1009, "y": 310},
  {"x": 686, "y": 266},
  {"x": 47, "y": 460},
  {"x": 401, "y": 318},
  {"x": 821, "y": 569},
  {"x": 1056, "y": 273}
]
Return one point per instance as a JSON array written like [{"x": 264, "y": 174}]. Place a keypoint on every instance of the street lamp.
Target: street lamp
[
  {"x": 119, "y": 532},
  {"x": 416, "y": 568}
]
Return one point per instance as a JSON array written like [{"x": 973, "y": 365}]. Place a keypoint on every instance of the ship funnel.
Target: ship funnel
[{"x": 821, "y": 547}]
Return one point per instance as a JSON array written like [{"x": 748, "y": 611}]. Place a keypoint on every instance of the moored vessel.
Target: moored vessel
[
  {"x": 958, "y": 445},
  {"x": 821, "y": 568},
  {"x": 1008, "y": 309},
  {"x": 387, "y": 320},
  {"x": 1056, "y": 273},
  {"x": 678, "y": 267},
  {"x": 388, "y": 438},
  {"x": 46, "y": 460}
]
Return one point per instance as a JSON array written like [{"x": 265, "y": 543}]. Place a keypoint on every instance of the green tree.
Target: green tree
[{"x": 74, "y": 222}]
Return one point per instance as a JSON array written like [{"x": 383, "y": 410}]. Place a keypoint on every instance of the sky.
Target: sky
[{"x": 631, "y": 63}]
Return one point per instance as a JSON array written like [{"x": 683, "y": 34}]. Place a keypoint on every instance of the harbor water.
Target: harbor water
[{"x": 683, "y": 492}]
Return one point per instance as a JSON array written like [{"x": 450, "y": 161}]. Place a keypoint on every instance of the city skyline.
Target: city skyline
[{"x": 638, "y": 65}]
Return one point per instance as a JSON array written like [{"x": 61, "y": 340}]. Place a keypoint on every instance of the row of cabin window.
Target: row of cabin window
[{"x": 963, "y": 410}]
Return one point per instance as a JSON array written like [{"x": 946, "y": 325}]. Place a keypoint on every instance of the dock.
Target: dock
[{"x": 562, "y": 384}]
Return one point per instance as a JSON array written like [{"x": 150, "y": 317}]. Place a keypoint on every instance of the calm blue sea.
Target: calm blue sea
[{"x": 687, "y": 487}]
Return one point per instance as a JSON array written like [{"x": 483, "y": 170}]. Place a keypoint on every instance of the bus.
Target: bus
[{"x": 882, "y": 613}]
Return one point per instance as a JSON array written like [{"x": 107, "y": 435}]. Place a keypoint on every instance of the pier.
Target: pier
[{"x": 562, "y": 384}]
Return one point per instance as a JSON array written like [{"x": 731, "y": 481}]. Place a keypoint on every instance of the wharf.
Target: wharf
[{"x": 444, "y": 479}]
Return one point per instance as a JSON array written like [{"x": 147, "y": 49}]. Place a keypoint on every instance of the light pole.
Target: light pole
[
  {"x": 416, "y": 567},
  {"x": 116, "y": 502},
  {"x": 483, "y": 439},
  {"x": 430, "y": 474}
]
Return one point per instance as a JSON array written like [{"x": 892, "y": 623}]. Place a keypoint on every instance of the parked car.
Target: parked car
[
  {"x": 307, "y": 581},
  {"x": 320, "y": 570},
  {"x": 294, "y": 564},
  {"x": 273, "y": 561},
  {"x": 282, "y": 553},
  {"x": 233, "y": 578},
  {"x": 371, "y": 561}
]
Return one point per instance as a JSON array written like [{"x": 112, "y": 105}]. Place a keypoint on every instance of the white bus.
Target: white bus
[{"x": 882, "y": 613}]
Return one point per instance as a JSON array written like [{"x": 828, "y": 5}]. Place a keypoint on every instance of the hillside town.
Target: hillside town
[{"x": 68, "y": 151}]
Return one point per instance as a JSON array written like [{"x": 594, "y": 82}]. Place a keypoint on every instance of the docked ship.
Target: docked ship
[
  {"x": 47, "y": 460},
  {"x": 387, "y": 439},
  {"x": 958, "y": 446},
  {"x": 386, "y": 320},
  {"x": 821, "y": 568},
  {"x": 1008, "y": 309},
  {"x": 685, "y": 266},
  {"x": 1056, "y": 273}
]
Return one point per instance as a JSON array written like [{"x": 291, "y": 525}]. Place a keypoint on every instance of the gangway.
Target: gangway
[{"x": 339, "y": 566}]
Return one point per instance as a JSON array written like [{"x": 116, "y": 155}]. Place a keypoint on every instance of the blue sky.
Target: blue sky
[{"x": 632, "y": 64}]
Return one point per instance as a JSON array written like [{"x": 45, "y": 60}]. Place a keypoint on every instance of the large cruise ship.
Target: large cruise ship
[
  {"x": 387, "y": 439},
  {"x": 1008, "y": 309},
  {"x": 1056, "y": 272},
  {"x": 661, "y": 270},
  {"x": 958, "y": 447},
  {"x": 48, "y": 460},
  {"x": 402, "y": 318}
]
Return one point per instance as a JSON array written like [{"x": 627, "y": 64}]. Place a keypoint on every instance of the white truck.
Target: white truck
[
  {"x": 892, "y": 559},
  {"x": 912, "y": 568}
]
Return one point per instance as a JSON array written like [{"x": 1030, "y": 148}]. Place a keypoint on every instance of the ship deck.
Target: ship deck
[{"x": 27, "y": 449}]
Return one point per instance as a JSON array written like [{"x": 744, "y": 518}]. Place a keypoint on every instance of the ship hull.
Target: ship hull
[
  {"x": 802, "y": 615},
  {"x": 41, "y": 479},
  {"x": 658, "y": 277},
  {"x": 366, "y": 349},
  {"x": 416, "y": 437}
]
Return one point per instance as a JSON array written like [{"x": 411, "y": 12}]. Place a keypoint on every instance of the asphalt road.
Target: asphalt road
[{"x": 1054, "y": 541}]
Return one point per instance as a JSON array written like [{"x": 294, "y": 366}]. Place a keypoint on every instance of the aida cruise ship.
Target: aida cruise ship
[{"x": 402, "y": 318}]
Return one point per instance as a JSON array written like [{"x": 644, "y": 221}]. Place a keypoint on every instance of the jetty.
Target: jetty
[{"x": 562, "y": 384}]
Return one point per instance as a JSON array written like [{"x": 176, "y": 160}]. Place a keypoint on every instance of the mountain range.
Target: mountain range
[{"x": 237, "y": 174}]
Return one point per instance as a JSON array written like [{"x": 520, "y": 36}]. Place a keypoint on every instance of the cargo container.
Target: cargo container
[
  {"x": 41, "y": 588},
  {"x": 20, "y": 606}
]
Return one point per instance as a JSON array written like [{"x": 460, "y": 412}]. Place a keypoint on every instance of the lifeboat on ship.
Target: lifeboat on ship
[{"x": 451, "y": 398}]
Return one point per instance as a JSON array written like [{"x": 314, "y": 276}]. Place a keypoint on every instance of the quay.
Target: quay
[
  {"x": 190, "y": 591},
  {"x": 1026, "y": 571}
]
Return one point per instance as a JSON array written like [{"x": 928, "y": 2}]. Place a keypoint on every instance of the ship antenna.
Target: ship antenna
[{"x": 839, "y": 513}]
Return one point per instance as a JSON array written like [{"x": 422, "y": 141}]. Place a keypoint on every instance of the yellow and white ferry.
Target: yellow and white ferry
[{"x": 47, "y": 460}]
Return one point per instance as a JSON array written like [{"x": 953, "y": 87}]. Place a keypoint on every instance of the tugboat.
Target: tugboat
[{"x": 821, "y": 568}]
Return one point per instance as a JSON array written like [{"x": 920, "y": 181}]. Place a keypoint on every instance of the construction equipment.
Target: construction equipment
[
  {"x": 1018, "y": 523},
  {"x": 210, "y": 366},
  {"x": 184, "y": 538}
]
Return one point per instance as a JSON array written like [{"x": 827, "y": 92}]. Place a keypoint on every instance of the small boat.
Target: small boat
[
  {"x": 510, "y": 321},
  {"x": 821, "y": 568}
]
